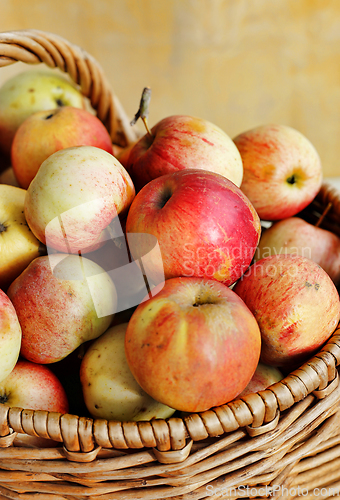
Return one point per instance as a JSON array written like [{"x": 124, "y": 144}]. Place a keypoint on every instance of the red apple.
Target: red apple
[
  {"x": 45, "y": 132},
  {"x": 295, "y": 304},
  {"x": 205, "y": 227},
  {"x": 294, "y": 235},
  {"x": 61, "y": 301},
  {"x": 10, "y": 336},
  {"x": 194, "y": 345},
  {"x": 183, "y": 142},
  {"x": 35, "y": 387},
  {"x": 263, "y": 377},
  {"x": 282, "y": 170}
]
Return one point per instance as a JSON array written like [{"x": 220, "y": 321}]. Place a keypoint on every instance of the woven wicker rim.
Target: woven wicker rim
[
  {"x": 258, "y": 413},
  {"x": 35, "y": 47}
]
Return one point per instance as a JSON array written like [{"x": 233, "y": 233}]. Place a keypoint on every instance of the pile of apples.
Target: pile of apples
[{"x": 141, "y": 281}]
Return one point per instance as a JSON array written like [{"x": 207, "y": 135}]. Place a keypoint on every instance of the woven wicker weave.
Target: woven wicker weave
[{"x": 283, "y": 441}]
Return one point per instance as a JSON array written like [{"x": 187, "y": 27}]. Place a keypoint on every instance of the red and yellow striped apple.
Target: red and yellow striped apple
[
  {"x": 295, "y": 235},
  {"x": 205, "y": 226},
  {"x": 282, "y": 171},
  {"x": 183, "y": 142},
  {"x": 295, "y": 304},
  {"x": 61, "y": 302},
  {"x": 45, "y": 132},
  {"x": 193, "y": 345},
  {"x": 35, "y": 387}
]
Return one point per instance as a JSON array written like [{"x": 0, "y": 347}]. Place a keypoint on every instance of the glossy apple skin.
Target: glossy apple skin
[
  {"x": 194, "y": 345},
  {"x": 85, "y": 187},
  {"x": 18, "y": 245},
  {"x": 110, "y": 391},
  {"x": 294, "y": 235},
  {"x": 295, "y": 304},
  {"x": 54, "y": 300},
  {"x": 282, "y": 170},
  {"x": 204, "y": 225},
  {"x": 181, "y": 142},
  {"x": 35, "y": 387},
  {"x": 45, "y": 132},
  {"x": 10, "y": 336},
  {"x": 31, "y": 91},
  {"x": 263, "y": 377}
]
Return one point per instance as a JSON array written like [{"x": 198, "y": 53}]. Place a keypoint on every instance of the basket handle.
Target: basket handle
[{"x": 35, "y": 47}]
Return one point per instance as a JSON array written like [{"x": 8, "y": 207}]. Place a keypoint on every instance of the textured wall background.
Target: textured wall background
[{"x": 237, "y": 63}]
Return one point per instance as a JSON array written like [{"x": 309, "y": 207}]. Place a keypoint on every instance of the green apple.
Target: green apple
[
  {"x": 29, "y": 92},
  {"x": 109, "y": 388}
]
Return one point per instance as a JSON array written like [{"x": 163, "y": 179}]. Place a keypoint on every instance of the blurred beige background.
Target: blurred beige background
[{"x": 237, "y": 63}]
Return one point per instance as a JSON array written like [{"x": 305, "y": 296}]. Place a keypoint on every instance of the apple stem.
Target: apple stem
[
  {"x": 143, "y": 110},
  {"x": 323, "y": 215}
]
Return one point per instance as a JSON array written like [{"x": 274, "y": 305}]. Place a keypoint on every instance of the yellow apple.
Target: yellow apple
[
  {"x": 31, "y": 91},
  {"x": 18, "y": 245},
  {"x": 109, "y": 388},
  {"x": 76, "y": 194}
]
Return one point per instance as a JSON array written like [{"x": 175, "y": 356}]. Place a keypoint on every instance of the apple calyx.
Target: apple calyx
[
  {"x": 295, "y": 178},
  {"x": 3, "y": 398},
  {"x": 60, "y": 97},
  {"x": 3, "y": 227},
  {"x": 291, "y": 179},
  {"x": 143, "y": 110}
]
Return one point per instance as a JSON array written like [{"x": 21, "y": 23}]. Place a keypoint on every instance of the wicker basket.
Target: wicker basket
[{"x": 283, "y": 442}]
